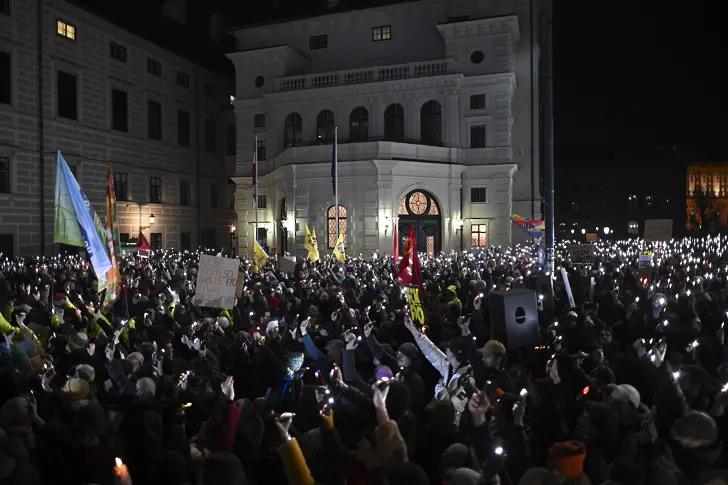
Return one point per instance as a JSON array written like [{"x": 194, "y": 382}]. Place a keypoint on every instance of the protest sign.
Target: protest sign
[
  {"x": 216, "y": 282},
  {"x": 415, "y": 306},
  {"x": 645, "y": 260},
  {"x": 658, "y": 229},
  {"x": 240, "y": 284},
  {"x": 582, "y": 253},
  {"x": 591, "y": 237}
]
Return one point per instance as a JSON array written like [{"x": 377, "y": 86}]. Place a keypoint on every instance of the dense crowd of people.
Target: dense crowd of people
[{"x": 322, "y": 377}]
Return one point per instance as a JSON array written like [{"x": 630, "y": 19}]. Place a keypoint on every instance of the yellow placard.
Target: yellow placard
[
  {"x": 591, "y": 237},
  {"x": 415, "y": 307}
]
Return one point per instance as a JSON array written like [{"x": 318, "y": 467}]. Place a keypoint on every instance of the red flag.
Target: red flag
[
  {"x": 396, "y": 245},
  {"x": 410, "y": 272}
]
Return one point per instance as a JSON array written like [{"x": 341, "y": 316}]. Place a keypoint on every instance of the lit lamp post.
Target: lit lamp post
[
  {"x": 233, "y": 239},
  {"x": 459, "y": 230},
  {"x": 152, "y": 220}
]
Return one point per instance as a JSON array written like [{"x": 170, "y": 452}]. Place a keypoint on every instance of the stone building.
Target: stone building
[
  {"x": 435, "y": 104},
  {"x": 107, "y": 96}
]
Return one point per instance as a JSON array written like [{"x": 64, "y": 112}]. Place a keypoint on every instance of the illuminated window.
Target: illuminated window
[
  {"x": 417, "y": 203},
  {"x": 434, "y": 211},
  {"x": 66, "y": 30},
  {"x": 402, "y": 208},
  {"x": 331, "y": 225},
  {"x": 478, "y": 236},
  {"x": 381, "y": 33}
]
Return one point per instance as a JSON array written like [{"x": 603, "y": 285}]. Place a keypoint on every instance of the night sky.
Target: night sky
[{"x": 630, "y": 81}]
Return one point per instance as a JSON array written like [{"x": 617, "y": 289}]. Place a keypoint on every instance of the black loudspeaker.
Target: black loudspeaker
[{"x": 514, "y": 317}]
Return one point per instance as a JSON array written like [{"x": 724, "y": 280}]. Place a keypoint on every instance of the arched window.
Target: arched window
[
  {"x": 331, "y": 225},
  {"x": 325, "y": 127},
  {"x": 359, "y": 125},
  {"x": 293, "y": 128},
  {"x": 418, "y": 203},
  {"x": 431, "y": 123},
  {"x": 394, "y": 123}
]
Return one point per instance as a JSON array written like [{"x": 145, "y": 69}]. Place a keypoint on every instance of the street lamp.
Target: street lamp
[
  {"x": 152, "y": 220},
  {"x": 606, "y": 230}
]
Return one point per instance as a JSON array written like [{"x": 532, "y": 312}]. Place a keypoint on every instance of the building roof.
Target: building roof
[{"x": 144, "y": 18}]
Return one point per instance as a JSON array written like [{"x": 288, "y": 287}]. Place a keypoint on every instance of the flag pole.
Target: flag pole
[
  {"x": 255, "y": 187},
  {"x": 336, "y": 180}
]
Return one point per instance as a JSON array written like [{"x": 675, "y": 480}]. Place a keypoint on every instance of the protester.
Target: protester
[{"x": 338, "y": 374}]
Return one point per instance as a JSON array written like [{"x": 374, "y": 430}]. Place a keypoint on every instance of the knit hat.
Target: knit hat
[
  {"x": 383, "y": 372},
  {"x": 223, "y": 322},
  {"x": 457, "y": 455},
  {"x": 626, "y": 393},
  {"x": 464, "y": 476},
  {"x": 312, "y": 311},
  {"x": 78, "y": 341},
  {"x": 76, "y": 389},
  {"x": 695, "y": 425},
  {"x": 272, "y": 325},
  {"x": 493, "y": 347},
  {"x": 409, "y": 350},
  {"x": 568, "y": 458}
]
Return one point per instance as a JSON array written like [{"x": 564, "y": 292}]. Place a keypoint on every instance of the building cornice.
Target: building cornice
[{"x": 481, "y": 27}]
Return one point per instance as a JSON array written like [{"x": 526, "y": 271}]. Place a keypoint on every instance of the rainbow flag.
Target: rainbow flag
[{"x": 532, "y": 227}]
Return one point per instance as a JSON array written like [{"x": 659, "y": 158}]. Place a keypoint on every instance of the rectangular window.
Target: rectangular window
[
  {"x": 4, "y": 175},
  {"x": 210, "y": 136},
  {"x": 119, "y": 110},
  {"x": 154, "y": 67},
  {"x": 381, "y": 33},
  {"x": 154, "y": 119},
  {"x": 155, "y": 241},
  {"x": 230, "y": 142},
  {"x": 121, "y": 186},
  {"x": 5, "y": 7},
  {"x": 183, "y": 128},
  {"x": 117, "y": 52},
  {"x": 185, "y": 193},
  {"x": 66, "y": 30},
  {"x": 213, "y": 196},
  {"x": 185, "y": 241},
  {"x": 67, "y": 95},
  {"x": 123, "y": 237},
  {"x": 318, "y": 41},
  {"x": 262, "y": 150},
  {"x": 259, "y": 121},
  {"x": 210, "y": 91},
  {"x": 155, "y": 190},
  {"x": 477, "y": 101},
  {"x": 478, "y": 237},
  {"x": 6, "y": 77},
  {"x": 262, "y": 202},
  {"x": 183, "y": 79},
  {"x": 477, "y": 194},
  {"x": 477, "y": 136}
]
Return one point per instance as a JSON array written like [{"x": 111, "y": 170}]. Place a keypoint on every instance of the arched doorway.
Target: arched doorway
[{"x": 419, "y": 209}]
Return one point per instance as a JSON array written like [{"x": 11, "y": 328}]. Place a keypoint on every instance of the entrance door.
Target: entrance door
[{"x": 419, "y": 209}]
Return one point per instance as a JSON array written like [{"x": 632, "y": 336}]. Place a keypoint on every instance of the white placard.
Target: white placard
[
  {"x": 658, "y": 229},
  {"x": 645, "y": 260},
  {"x": 216, "y": 281},
  {"x": 287, "y": 264},
  {"x": 582, "y": 253}
]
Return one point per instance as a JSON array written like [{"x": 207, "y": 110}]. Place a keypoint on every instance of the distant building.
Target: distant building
[
  {"x": 707, "y": 197},
  {"x": 436, "y": 107},
  {"x": 162, "y": 122}
]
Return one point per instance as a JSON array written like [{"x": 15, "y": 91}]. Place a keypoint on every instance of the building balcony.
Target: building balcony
[{"x": 361, "y": 76}]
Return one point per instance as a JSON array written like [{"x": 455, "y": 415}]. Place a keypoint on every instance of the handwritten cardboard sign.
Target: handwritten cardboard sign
[{"x": 216, "y": 282}]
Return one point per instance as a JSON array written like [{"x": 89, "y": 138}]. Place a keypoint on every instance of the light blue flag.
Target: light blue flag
[{"x": 85, "y": 215}]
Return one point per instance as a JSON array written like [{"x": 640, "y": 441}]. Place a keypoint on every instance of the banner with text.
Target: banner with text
[{"x": 216, "y": 282}]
